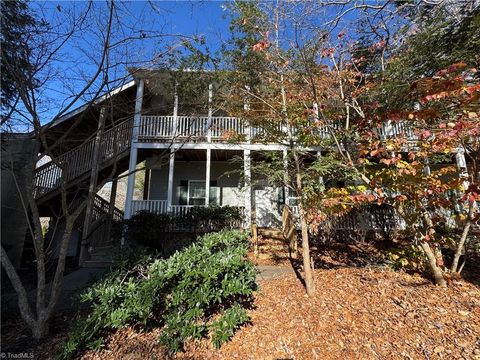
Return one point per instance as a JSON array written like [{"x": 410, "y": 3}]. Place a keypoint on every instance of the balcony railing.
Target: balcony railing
[
  {"x": 161, "y": 207},
  {"x": 231, "y": 129}
]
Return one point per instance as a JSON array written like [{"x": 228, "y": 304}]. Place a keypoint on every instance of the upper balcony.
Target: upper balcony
[{"x": 223, "y": 129}]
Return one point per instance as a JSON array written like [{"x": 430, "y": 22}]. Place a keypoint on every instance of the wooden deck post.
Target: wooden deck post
[
  {"x": 133, "y": 151},
  {"x": 92, "y": 187},
  {"x": 207, "y": 177},
  {"x": 111, "y": 208}
]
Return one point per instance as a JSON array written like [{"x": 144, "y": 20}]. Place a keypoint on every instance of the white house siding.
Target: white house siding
[{"x": 229, "y": 191}]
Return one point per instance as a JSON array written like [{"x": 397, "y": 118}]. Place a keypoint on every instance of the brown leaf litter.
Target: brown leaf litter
[{"x": 355, "y": 314}]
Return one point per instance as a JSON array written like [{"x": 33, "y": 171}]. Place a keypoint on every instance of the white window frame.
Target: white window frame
[{"x": 188, "y": 191}]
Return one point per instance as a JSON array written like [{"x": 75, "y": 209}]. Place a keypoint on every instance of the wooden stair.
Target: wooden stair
[
  {"x": 272, "y": 245},
  {"x": 74, "y": 166},
  {"x": 100, "y": 258}
]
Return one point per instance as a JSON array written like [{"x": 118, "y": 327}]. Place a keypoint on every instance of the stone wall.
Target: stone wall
[{"x": 16, "y": 171}]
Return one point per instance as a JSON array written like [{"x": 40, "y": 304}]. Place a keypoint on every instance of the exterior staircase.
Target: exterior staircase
[
  {"x": 272, "y": 246},
  {"x": 73, "y": 170},
  {"x": 100, "y": 243},
  {"x": 74, "y": 166}
]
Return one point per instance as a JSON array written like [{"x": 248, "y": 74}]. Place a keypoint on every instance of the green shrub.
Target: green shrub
[{"x": 203, "y": 289}]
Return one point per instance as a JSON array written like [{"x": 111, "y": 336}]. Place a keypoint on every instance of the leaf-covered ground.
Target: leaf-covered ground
[{"x": 355, "y": 314}]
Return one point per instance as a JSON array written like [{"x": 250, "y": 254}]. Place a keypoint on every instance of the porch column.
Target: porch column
[
  {"x": 248, "y": 188},
  {"x": 462, "y": 167},
  {"x": 246, "y": 108},
  {"x": 320, "y": 178},
  {"x": 426, "y": 169},
  {"x": 171, "y": 167},
  {"x": 175, "y": 113},
  {"x": 133, "y": 150},
  {"x": 210, "y": 111},
  {"x": 207, "y": 177},
  {"x": 285, "y": 176}
]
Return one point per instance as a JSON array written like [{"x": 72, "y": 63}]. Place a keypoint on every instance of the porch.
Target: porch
[{"x": 175, "y": 183}]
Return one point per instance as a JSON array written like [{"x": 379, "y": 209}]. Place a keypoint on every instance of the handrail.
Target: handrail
[
  {"x": 101, "y": 207},
  {"x": 77, "y": 161},
  {"x": 225, "y": 128}
]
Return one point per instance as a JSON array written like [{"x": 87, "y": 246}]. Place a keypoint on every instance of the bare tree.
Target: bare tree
[{"x": 101, "y": 35}]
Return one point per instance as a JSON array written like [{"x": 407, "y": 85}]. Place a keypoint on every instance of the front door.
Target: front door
[{"x": 267, "y": 209}]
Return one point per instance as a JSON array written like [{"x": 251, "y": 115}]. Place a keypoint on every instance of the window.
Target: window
[{"x": 196, "y": 192}]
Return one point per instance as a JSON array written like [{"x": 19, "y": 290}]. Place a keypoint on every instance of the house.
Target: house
[{"x": 186, "y": 147}]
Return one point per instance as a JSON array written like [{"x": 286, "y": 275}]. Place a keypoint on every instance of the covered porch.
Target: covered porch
[{"x": 176, "y": 182}]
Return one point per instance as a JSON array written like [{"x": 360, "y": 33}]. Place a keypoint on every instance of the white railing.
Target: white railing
[
  {"x": 78, "y": 161},
  {"x": 182, "y": 209},
  {"x": 391, "y": 129},
  {"x": 160, "y": 207},
  {"x": 224, "y": 128},
  {"x": 153, "y": 206}
]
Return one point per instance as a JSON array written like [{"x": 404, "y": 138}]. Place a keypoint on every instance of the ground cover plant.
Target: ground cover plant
[{"x": 201, "y": 290}]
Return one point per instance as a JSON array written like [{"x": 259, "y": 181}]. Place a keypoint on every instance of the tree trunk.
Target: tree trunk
[
  {"x": 463, "y": 239},
  {"x": 436, "y": 270},
  {"x": 307, "y": 265},
  {"x": 40, "y": 329}
]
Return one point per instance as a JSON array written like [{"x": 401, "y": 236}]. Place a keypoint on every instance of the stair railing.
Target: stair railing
[{"x": 78, "y": 161}]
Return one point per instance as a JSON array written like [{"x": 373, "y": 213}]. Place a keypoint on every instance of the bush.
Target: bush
[{"x": 203, "y": 289}]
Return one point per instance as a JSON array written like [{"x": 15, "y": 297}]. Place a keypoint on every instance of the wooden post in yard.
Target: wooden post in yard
[
  {"x": 255, "y": 239},
  {"x": 111, "y": 208}
]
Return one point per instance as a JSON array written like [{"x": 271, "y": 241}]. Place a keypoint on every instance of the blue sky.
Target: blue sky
[{"x": 76, "y": 61}]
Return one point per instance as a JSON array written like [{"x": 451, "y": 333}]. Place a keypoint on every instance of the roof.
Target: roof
[{"x": 98, "y": 100}]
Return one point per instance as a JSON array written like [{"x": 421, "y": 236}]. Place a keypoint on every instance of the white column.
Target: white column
[
  {"x": 286, "y": 177},
  {"x": 210, "y": 111},
  {"x": 320, "y": 178},
  {"x": 170, "y": 179},
  {"x": 138, "y": 110},
  {"x": 207, "y": 177},
  {"x": 246, "y": 107},
  {"x": 462, "y": 167},
  {"x": 175, "y": 113},
  {"x": 248, "y": 188},
  {"x": 133, "y": 150}
]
